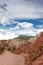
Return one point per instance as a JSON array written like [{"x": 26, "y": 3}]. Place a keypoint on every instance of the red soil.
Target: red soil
[{"x": 7, "y": 58}]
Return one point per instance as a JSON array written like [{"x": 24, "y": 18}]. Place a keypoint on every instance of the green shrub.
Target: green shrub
[
  {"x": 1, "y": 50},
  {"x": 7, "y": 48},
  {"x": 33, "y": 54},
  {"x": 41, "y": 47}
]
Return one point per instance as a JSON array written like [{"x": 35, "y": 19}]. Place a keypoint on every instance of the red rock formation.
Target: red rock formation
[{"x": 32, "y": 52}]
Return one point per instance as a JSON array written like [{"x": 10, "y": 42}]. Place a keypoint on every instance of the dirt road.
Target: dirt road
[{"x": 7, "y": 58}]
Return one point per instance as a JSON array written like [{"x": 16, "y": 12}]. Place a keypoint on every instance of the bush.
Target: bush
[
  {"x": 7, "y": 48},
  {"x": 33, "y": 54},
  {"x": 41, "y": 47},
  {"x": 1, "y": 50}
]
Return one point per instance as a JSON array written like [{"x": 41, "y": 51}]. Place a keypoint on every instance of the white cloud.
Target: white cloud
[
  {"x": 5, "y": 21},
  {"x": 25, "y": 9},
  {"x": 7, "y": 34},
  {"x": 22, "y": 9},
  {"x": 25, "y": 25},
  {"x": 26, "y": 29},
  {"x": 40, "y": 26},
  {"x": 39, "y": 30}
]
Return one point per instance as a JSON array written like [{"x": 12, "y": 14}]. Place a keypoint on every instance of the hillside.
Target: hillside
[
  {"x": 19, "y": 40},
  {"x": 31, "y": 48}
]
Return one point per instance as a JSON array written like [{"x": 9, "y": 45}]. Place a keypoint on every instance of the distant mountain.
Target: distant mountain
[
  {"x": 24, "y": 37},
  {"x": 19, "y": 40}
]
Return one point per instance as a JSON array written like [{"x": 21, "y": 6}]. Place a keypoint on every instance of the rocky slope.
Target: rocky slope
[
  {"x": 31, "y": 48},
  {"x": 19, "y": 40}
]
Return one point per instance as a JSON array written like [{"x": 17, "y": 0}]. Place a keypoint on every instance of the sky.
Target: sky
[{"x": 20, "y": 17}]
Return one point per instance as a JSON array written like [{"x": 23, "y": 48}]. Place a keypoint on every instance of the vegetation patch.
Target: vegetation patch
[{"x": 33, "y": 54}]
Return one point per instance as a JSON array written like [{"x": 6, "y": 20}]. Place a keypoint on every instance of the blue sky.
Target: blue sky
[{"x": 20, "y": 17}]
